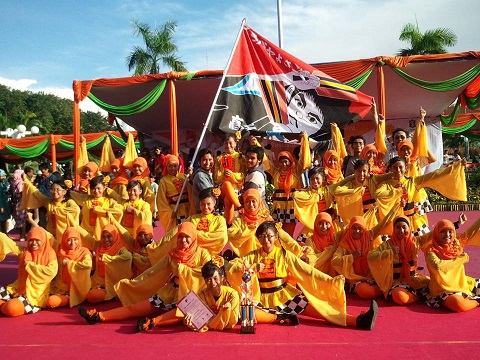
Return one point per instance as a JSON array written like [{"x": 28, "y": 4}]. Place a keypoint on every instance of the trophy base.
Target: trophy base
[{"x": 250, "y": 329}]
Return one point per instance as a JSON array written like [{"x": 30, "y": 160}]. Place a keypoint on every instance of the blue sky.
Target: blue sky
[{"x": 45, "y": 45}]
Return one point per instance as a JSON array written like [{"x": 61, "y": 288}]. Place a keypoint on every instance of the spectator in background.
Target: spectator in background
[
  {"x": 43, "y": 184},
  {"x": 357, "y": 143},
  {"x": 154, "y": 185},
  {"x": 16, "y": 190},
  {"x": 4, "y": 201},
  {"x": 456, "y": 155}
]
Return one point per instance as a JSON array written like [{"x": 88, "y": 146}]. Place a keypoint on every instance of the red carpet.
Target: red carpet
[{"x": 400, "y": 332}]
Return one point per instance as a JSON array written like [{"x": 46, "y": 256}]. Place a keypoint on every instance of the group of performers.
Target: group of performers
[{"x": 360, "y": 233}]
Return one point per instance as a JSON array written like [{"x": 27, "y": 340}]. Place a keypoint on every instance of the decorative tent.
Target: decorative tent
[
  {"x": 55, "y": 147},
  {"x": 400, "y": 85}
]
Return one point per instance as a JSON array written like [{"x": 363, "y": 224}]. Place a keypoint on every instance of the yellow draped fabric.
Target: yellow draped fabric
[
  {"x": 158, "y": 280},
  {"x": 107, "y": 156},
  {"x": 8, "y": 246},
  {"x": 101, "y": 207},
  {"x": 142, "y": 214},
  {"x": 337, "y": 141},
  {"x": 211, "y": 232},
  {"x": 382, "y": 259},
  {"x": 80, "y": 280},
  {"x": 324, "y": 293}
]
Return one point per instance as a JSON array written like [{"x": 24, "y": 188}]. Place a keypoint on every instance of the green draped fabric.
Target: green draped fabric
[
  {"x": 473, "y": 102},
  {"x": 70, "y": 145},
  {"x": 136, "y": 107},
  {"x": 446, "y": 85},
  {"x": 448, "y": 120},
  {"x": 459, "y": 129},
  {"x": 357, "y": 82},
  {"x": 122, "y": 142},
  {"x": 31, "y": 152}
]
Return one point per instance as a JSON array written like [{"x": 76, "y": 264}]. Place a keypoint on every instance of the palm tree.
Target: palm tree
[
  {"x": 431, "y": 42},
  {"x": 159, "y": 47}
]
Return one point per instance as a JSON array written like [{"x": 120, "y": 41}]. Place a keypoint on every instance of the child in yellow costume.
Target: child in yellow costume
[
  {"x": 136, "y": 211},
  {"x": 229, "y": 174},
  {"x": 317, "y": 197},
  {"x": 211, "y": 230},
  {"x": 113, "y": 262},
  {"x": 137, "y": 245},
  {"x": 141, "y": 174},
  {"x": 449, "y": 181},
  {"x": 350, "y": 257},
  {"x": 312, "y": 292},
  {"x": 96, "y": 208},
  {"x": 169, "y": 189},
  {"x": 286, "y": 179},
  {"x": 354, "y": 194},
  {"x": 120, "y": 180},
  {"x": 72, "y": 282},
  {"x": 37, "y": 267},
  {"x": 241, "y": 234},
  {"x": 159, "y": 288},
  {"x": 222, "y": 300},
  {"x": 62, "y": 211},
  {"x": 449, "y": 285}
]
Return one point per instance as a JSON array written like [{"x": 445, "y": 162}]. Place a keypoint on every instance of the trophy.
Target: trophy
[{"x": 247, "y": 312}]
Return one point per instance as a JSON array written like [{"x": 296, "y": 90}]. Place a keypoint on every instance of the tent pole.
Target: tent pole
[
  {"x": 173, "y": 119},
  {"x": 54, "y": 152},
  {"x": 76, "y": 136},
  {"x": 200, "y": 140}
]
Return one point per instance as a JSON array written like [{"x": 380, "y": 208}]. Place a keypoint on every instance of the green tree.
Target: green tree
[
  {"x": 159, "y": 48},
  {"x": 430, "y": 42}
]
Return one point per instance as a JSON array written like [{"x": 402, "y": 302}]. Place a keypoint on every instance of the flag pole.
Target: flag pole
[
  {"x": 200, "y": 140},
  {"x": 280, "y": 23}
]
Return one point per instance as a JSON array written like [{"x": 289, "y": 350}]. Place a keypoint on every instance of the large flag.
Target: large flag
[{"x": 267, "y": 90}]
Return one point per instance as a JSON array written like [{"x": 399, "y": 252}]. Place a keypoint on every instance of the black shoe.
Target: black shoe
[
  {"x": 366, "y": 321},
  {"x": 288, "y": 319},
  {"x": 91, "y": 316},
  {"x": 145, "y": 324}
]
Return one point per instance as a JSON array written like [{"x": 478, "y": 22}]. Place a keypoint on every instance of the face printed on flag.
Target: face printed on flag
[{"x": 266, "y": 90}]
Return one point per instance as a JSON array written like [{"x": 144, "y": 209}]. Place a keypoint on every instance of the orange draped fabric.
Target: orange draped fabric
[
  {"x": 406, "y": 247},
  {"x": 332, "y": 174}
]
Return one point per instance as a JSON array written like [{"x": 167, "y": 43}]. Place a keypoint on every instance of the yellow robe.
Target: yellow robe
[
  {"x": 147, "y": 193},
  {"x": 225, "y": 318},
  {"x": 211, "y": 232},
  {"x": 242, "y": 239},
  {"x": 308, "y": 203},
  {"x": 349, "y": 193},
  {"x": 342, "y": 260},
  {"x": 140, "y": 262},
  {"x": 324, "y": 293},
  {"x": 238, "y": 174},
  {"x": 381, "y": 262},
  {"x": 80, "y": 280},
  {"x": 159, "y": 279},
  {"x": 38, "y": 282},
  {"x": 449, "y": 181},
  {"x": 60, "y": 215},
  {"x": 106, "y": 206},
  {"x": 167, "y": 197},
  {"x": 449, "y": 275},
  {"x": 303, "y": 164},
  {"x": 8, "y": 246},
  {"x": 141, "y": 215},
  {"x": 117, "y": 267},
  {"x": 322, "y": 259}
]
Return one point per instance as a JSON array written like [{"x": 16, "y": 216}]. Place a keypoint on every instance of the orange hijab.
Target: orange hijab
[
  {"x": 406, "y": 143},
  {"x": 84, "y": 184},
  {"x": 147, "y": 229},
  {"x": 122, "y": 178},
  {"x": 446, "y": 251},
  {"x": 112, "y": 250},
  {"x": 322, "y": 241},
  {"x": 260, "y": 214},
  {"x": 76, "y": 254},
  {"x": 146, "y": 170},
  {"x": 406, "y": 247},
  {"x": 333, "y": 174},
  {"x": 375, "y": 168},
  {"x": 360, "y": 264},
  {"x": 169, "y": 159},
  {"x": 285, "y": 179},
  {"x": 43, "y": 256},
  {"x": 186, "y": 256}
]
